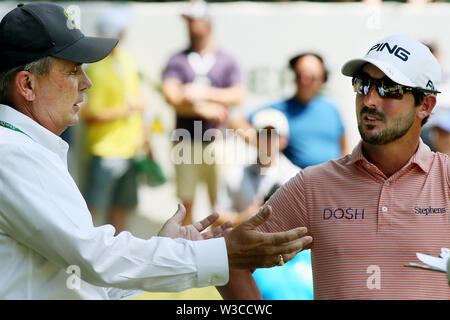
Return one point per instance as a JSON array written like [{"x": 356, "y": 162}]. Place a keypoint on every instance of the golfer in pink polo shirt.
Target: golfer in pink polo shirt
[{"x": 371, "y": 211}]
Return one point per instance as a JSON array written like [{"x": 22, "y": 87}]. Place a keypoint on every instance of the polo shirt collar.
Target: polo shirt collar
[
  {"x": 35, "y": 131},
  {"x": 357, "y": 155},
  {"x": 423, "y": 157}
]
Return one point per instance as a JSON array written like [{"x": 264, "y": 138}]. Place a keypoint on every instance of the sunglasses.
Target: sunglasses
[{"x": 385, "y": 87}]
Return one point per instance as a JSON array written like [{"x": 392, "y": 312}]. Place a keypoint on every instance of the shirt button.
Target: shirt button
[
  {"x": 384, "y": 209},
  {"x": 387, "y": 183}
]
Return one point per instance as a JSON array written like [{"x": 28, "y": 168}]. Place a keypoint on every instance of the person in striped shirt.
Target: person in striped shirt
[{"x": 371, "y": 211}]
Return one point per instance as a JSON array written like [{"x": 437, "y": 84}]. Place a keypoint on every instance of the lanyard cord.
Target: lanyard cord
[{"x": 10, "y": 126}]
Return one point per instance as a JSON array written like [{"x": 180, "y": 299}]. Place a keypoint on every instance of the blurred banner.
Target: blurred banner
[{"x": 263, "y": 36}]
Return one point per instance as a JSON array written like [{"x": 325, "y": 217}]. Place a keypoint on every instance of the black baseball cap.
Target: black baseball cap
[{"x": 36, "y": 30}]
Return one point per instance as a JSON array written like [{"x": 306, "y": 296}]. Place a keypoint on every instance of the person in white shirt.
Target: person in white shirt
[
  {"x": 246, "y": 187},
  {"x": 49, "y": 247}
]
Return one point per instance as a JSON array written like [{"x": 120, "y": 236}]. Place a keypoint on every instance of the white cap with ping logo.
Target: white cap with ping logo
[{"x": 404, "y": 60}]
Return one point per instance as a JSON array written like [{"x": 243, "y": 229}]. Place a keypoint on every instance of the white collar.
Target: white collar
[{"x": 35, "y": 131}]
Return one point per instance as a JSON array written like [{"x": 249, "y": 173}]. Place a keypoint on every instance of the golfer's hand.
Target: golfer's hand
[
  {"x": 249, "y": 249},
  {"x": 173, "y": 228}
]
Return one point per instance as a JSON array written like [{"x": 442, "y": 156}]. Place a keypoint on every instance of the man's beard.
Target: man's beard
[{"x": 401, "y": 125}]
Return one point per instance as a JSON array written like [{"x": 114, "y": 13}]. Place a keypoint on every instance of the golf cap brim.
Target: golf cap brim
[
  {"x": 87, "y": 50},
  {"x": 354, "y": 66}
]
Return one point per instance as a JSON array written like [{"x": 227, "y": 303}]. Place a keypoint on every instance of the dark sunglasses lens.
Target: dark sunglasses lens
[
  {"x": 358, "y": 85},
  {"x": 384, "y": 89},
  {"x": 393, "y": 91}
]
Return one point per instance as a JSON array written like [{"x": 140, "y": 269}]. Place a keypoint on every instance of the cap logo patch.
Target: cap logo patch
[
  {"x": 396, "y": 50},
  {"x": 73, "y": 17},
  {"x": 430, "y": 85}
]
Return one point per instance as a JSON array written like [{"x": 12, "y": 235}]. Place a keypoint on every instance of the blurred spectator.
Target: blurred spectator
[
  {"x": 316, "y": 129},
  {"x": 113, "y": 117},
  {"x": 440, "y": 133},
  {"x": 246, "y": 188},
  {"x": 201, "y": 83},
  {"x": 442, "y": 107}
]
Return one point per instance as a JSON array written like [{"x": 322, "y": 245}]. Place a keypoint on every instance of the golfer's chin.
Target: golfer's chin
[{"x": 370, "y": 135}]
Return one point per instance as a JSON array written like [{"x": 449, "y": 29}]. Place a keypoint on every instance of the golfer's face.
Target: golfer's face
[
  {"x": 60, "y": 94},
  {"x": 383, "y": 120}
]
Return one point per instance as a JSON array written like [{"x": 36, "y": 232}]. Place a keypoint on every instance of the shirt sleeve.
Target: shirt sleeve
[
  {"x": 174, "y": 69},
  {"x": 233, "y": 74},
  {"x": 119, "y": 294},
  {"x": 289, "y": 208},
  {"x": 42, "y": 208}
]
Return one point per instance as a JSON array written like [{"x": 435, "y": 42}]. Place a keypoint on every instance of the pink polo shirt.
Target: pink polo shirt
[{"x": 366, "y": 227}]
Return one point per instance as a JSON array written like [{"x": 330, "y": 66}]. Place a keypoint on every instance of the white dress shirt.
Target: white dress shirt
[{"x": 49, "y": 247}]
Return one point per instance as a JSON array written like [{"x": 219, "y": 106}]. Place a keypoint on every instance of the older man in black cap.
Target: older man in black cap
[{"x": 49, "y": 248}]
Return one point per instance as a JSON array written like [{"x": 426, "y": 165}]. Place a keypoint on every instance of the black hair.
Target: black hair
[{"x": 294, "y": 60}]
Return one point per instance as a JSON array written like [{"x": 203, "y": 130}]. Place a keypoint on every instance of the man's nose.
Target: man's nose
[
  {"x": 372, "y": 98},
  {"x": 305, "y": 78},
  {"x": 85, "y": 82}
]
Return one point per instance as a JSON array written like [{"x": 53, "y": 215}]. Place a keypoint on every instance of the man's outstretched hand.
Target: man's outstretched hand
[
  {"x": 246, "y": 247},
  {"x": 249, "y": 249},
  {"x": 173, "y": 228}
]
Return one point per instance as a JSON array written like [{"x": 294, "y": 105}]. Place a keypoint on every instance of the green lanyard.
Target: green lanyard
[{"x": 10, "y": 126}]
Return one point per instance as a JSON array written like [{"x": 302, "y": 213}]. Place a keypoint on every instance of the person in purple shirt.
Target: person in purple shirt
[{"x": 201, "y": 83}]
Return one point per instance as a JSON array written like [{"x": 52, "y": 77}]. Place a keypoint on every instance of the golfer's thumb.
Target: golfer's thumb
[{"x": 178, "y": 217}]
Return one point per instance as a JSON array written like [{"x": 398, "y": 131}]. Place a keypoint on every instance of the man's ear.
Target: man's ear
[
  {"x": 427, "y": 106},
  {"x": 25, "y": 83}
]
